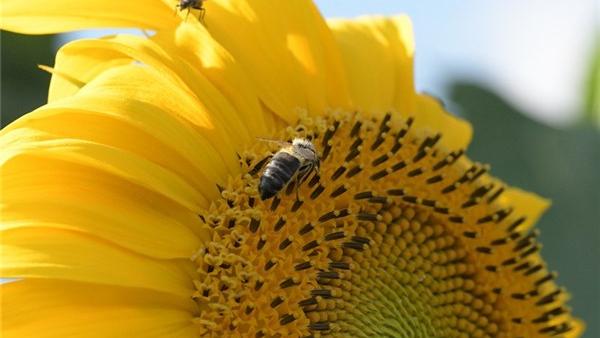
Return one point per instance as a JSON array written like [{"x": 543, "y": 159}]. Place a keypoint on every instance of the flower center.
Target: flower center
[{"x": 395, "y": 237}]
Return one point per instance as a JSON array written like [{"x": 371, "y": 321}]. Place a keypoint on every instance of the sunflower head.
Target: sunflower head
[
  {"x": 394, "y": 235},
  {"x": 138, "y": 191}
]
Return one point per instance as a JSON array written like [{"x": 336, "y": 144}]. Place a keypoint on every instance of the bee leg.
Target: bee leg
[
  {"x": 309, "y": 170},
  {"x": 301, "y": 177},
  {"x": 297, "y": 182},
  {"x": 297, "y": 185},
  {"x": 202, "y": 13}
]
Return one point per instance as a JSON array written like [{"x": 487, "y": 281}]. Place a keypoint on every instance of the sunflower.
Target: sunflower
[{"x": 130, "y": 204}]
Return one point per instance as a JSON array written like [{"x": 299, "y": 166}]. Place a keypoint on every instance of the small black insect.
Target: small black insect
[
  {"x": 293, "y": 162},
  {"x": 192, "y": 4}
]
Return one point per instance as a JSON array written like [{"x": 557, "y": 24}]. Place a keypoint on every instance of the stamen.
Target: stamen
[
  {"x": 319, "y": 326},
  {"x": 495, "y": 195},
  {"x": 280, "y": 223},
  {"x": 415, "y": 172},
  {"x": 285, "y": 243},
  {"x": 302, "y": 266},
  {"x": 363, "y": 195},
  {"x": 297, "y": 205},
  {"x": 286, "y": 319},
  {"x": 326, "y": 151},
  {"x": 448, "y": 160},
  {"x": 398, "y": 166},
  {"x": 306, "y": 229},
  {"x": 254, "y": 224},
  {"x": 329, "y": 133},
  {"x": 356, "y": 144},
  {"x": 314, "y": 180},
  {"x": 368, "y": 217},
  {"x": 275, "y": 203},
  {"x": 380, "y": 174},
  {"x": 380, "y": 160},
  {"x": 435, "y": 179},
  {"x": 318, "y": 190},
  {"x": 339, "y": 265},
  {"x": 355, "y": 129},
  {"x": 352, "y": 154},
  {"x": 308, "y": 302},
  {"x": 275, "y": 302},
  {"x": 310, "y": 245},
  {"x": 338, "y": 172},
  {"x": 353, "y": 171},
  {"x": 338, "y": 191},
  {"x": 328, "y": 274},
  {"x": 371, "y": 238},
  {"x": 335, "y": 235}
]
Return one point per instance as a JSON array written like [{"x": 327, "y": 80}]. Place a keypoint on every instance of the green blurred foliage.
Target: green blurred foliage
[
  {"x": 24, "y": 85},
  {"x": 563, "y": 165},
  {"x": 592, "y": 87}
]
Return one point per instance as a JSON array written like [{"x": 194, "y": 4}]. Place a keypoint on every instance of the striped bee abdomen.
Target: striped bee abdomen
[{"x": 278, "y": 173}]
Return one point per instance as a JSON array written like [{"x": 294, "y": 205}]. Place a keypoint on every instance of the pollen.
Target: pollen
[{"x": 395, "y": 236}]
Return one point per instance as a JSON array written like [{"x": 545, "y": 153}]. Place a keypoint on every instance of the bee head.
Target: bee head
[{"x": 306, "y": 149}]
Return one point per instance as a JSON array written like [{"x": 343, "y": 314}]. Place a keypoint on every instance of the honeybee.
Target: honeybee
[
  {"x": 293, "y": 162},
  {"x": 192, "y": 4}
]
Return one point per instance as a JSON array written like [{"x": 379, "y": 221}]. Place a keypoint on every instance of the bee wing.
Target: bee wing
[{"x": 278, "y": 142}]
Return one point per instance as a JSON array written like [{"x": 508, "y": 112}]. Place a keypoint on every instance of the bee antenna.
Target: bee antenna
[{"x": 279, "y": 142}]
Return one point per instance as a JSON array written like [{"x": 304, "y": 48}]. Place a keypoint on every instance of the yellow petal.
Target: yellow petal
[
  {"x": 527, "y": 204},
  {"x": 44, "y": 17},
  {"x": 151, "y": 123},
  {"x": 104, "y": 159},
  {"x": 195, "y": 46},
  {"x": 377, "y": 55},
  {"x": 52, "y": 308},
  {"x": 60, "y": 254},
  {"x": 55, "y": 195},
  {"x": 74, "y": 68},
  {"x": 430, "y": 114},
  {"x": 286, "y": 50},
  {"x": 226, "y": 126}
]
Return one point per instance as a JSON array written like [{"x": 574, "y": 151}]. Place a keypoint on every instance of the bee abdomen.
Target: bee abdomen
[{"x": 277, "y": 174}]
